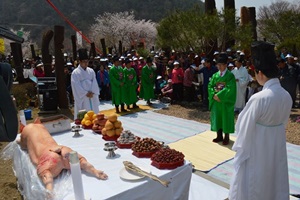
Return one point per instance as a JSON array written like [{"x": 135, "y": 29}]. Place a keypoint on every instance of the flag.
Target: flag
[
  {"x": 2, "y": 46},
  {"x": 79, "y": 38}
]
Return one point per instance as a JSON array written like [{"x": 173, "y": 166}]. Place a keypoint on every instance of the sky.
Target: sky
[{"x": 249, "y": 3}]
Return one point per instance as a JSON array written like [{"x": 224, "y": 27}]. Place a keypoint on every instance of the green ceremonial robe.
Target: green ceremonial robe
[
  {"x": 130, "y": 86},
  {"x": 116, "y": 77},
  {"x": 222, "y": 113},
  {"x": 147, "y": 83}
]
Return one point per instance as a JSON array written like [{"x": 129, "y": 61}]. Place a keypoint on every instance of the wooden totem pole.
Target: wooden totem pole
[
  {"x": 59, "y": 66},
  {"x": 211, "y": 46},
  {"x": 46, "y": 57},
  {"x": 74, "y": 48},
  {"x": 229, "y": 9},
  {"x": 16, "y": 50}
]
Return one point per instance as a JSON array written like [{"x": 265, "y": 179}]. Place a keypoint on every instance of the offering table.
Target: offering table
[{"x": 118, "y": 185}]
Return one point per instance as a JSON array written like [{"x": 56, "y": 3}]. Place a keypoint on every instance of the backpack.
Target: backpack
[{"x": 8, "y": 112}]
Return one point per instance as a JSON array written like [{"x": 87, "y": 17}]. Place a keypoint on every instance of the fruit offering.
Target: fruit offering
[
  {"x": 126, "y": 139},
  {"x": 87, "y": 121},
  {"x": 146, "y": 145},
  {"x": 80, "y": 116},
  {"x": 99, "y": 122},
  {"x": 167, "y": 158},
  {"x": 113, "y": 127}
]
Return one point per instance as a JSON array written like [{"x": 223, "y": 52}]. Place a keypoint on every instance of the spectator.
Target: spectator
[
  {"x": 177, "y": 82},
  {"x": 189, "y": 89},
  {"x": 287, "y": 78},
  {"x": 167, "y": 92},
  {"x": 242, "y": 79},
  {"x": 39, "y": 71},
  {"x": 103, "y": 83},
  {"x": 208, "y": 70}
]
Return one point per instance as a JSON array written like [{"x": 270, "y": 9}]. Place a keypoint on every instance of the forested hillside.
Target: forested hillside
[{"x": 37, "y": 16}]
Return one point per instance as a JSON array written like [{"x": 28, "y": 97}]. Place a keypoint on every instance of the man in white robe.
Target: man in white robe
[
  {"x": 84, "y": 86},
  {"x": 261, "y": 171},
  {"x": 242, "y": 80}
]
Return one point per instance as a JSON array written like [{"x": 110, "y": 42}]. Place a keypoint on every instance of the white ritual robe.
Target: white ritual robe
[
  {"x": 83, "y": 81},
  {"x": 261, "y": 171},
  {"x": 241, "y": 86}
]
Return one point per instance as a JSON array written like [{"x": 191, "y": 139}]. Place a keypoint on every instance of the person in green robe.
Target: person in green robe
[
  {"x": 130, "y": 85},
  {"x": 116, "y": 77},
  {"x": 222, "y": 97},
  {"x": 147, "y": 81}
]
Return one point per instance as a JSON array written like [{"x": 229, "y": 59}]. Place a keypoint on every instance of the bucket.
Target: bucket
[{"x": 27, "y": 114}]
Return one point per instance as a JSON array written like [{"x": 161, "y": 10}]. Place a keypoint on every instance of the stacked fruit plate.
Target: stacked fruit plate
[
  {"x": 145, "y": 147},
  {"x": 98, "y": 123},
  {"x": 167, "y": 158},
  {"x": 112, "y": 128},
  {"x": 87, "y": 121}
]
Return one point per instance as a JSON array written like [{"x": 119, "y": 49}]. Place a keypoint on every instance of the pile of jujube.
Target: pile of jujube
[
  {"x": 146, "y": 145},
  {"x": 167, "y": 155}
]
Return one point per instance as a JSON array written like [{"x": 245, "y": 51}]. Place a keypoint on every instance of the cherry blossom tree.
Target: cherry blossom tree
[{"x": 123, "y": 26}]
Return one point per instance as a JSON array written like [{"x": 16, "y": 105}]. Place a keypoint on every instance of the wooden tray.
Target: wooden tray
[
  {"x": 107, "y": 138},
  {"x": 147, "y": 154},
  {"x": 87, "y": 127},
  {"x": 167, "y": 165},
  {"x": 124, "y": 146}
]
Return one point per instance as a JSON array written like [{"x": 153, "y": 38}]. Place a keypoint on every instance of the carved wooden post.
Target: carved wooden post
[
  {"x": 93, "y": 50},
  {"x": 16, "y": 50},
  {"x": 252, "y": 18},
  {"x": 33, "y": 55},
  {"x": 229, "y": 6},
  {"x": 74, "y": 48},
  {"x": 211, "y": 46},
  {"x": 59, "y": 66},
  {"x": 103, "y": 47},
  {"x": 120, "y": 48},
  {"x": 46, "y": 57}
]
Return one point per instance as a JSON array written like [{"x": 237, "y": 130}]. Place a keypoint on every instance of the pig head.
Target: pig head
[{"x": 49, "y": 157}]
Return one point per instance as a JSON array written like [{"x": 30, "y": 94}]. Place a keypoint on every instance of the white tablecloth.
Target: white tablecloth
[{"x": 91, "y": 145}]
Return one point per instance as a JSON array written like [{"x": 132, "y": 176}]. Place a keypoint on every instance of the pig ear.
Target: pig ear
[{"x": 37, "y": 121}]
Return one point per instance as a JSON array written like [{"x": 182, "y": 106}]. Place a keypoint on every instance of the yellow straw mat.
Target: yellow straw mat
[
  {"x": 202, "y": 152},
  {"x": 130, "y": 111}
]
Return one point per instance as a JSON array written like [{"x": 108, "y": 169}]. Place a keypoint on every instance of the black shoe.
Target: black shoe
[
  {"x": 135, "y": 106},
  {"x": 219, "y": 137},
  {"x": 226, "y": 139},
  {"x": 117, "y": 109}
]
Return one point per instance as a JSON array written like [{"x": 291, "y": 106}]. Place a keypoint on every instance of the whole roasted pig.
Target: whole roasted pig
[{"x": 49, "y": 157}]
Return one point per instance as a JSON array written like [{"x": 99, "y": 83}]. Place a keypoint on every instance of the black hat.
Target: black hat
[
  {"x": 82, "y": 54},
  {"x": 115, "y": 58},
  {"x": 222, "y": 58},
  {"x": 127, "y": 60},
  {"x": 263, "y": 55},
  {"x": 149, "y": 59}
]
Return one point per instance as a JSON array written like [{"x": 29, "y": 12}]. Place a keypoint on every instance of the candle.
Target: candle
[
  {"x": 76, "y": 176},
  {"x": 22, "y": 117}
]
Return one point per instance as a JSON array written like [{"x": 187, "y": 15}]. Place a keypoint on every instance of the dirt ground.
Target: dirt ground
[{"x": 191, "y": 111}]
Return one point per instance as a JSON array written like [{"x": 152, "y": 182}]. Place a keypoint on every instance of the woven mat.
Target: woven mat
[
  {"x": 130, "y": 111},
  {"x": 202, "y": 152}
]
